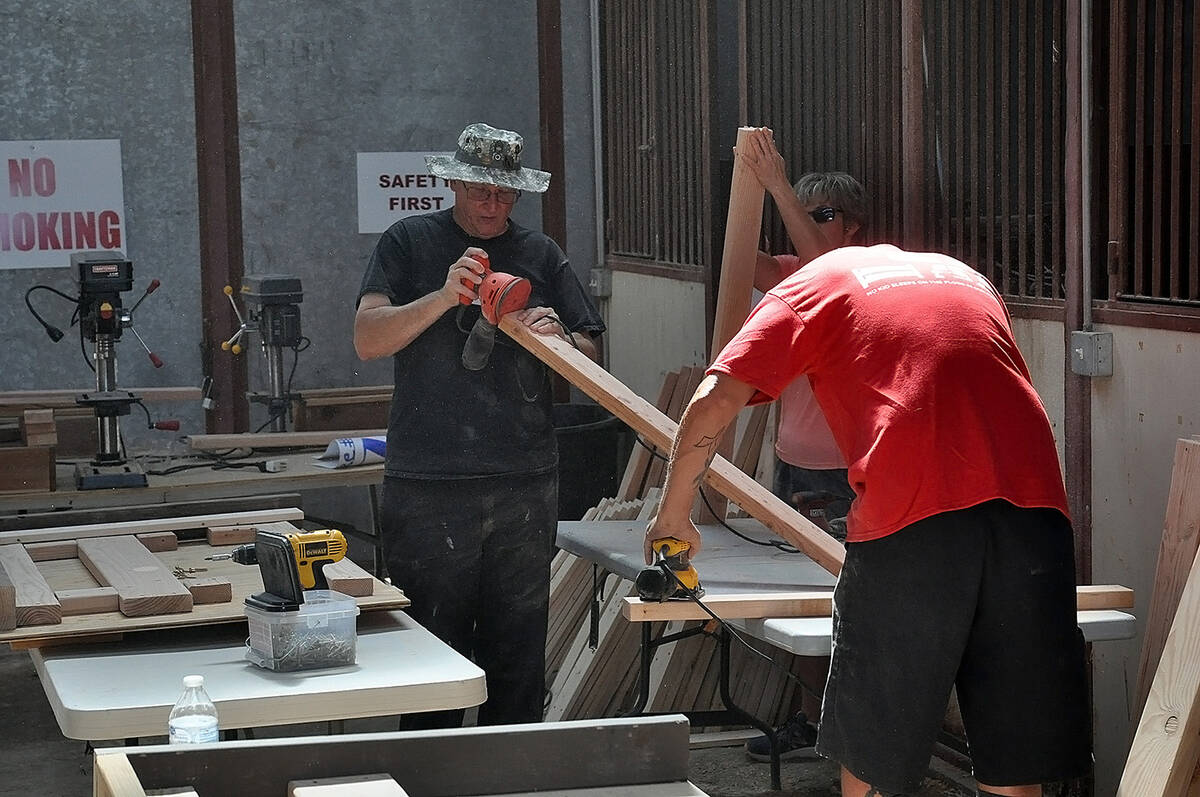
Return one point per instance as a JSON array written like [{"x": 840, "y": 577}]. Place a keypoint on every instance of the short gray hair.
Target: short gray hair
[{"x": 838, "y": 189}]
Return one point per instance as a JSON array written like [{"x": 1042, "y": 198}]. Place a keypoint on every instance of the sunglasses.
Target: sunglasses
[
  {"x": 479, "y": 193},
  {"x": 824, "y": 214}
]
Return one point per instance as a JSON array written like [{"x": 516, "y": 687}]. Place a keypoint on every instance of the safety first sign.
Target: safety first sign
[
  {"x": 61, "y": 197},
  {"x": 392, "y": 185}
]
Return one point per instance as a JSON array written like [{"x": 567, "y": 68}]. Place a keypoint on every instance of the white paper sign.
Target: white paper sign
[
  {"x": 60, "y": 197},
  {"x": 392, "y": 185}
]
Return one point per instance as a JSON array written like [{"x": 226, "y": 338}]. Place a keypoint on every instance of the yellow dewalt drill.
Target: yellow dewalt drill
[
  {"x": 290, "y": 562},
  {"x": 672, "y": 574}
]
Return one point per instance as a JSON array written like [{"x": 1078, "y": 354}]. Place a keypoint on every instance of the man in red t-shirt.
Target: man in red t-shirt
[{"x": 959, "y": 563}]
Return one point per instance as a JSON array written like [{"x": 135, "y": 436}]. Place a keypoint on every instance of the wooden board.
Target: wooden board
[
  {"x": 35, "y": 601},
  {"x": 68, "y": 574},
  {"x": 659, "y": 430},
  {"x": 743, "y": 226},
  {"x": 351, "y": 786},
  {"x": 1166, "y": 746},
  {"x": 257, "y": 517},
  {"x": 27, "y": 469},
  {"x": 349, "y": 579},
  {"x": 92, "y": 600},
  {"x": 8, "y": 601},
  {"x": 816, "y": 604},
  {"x": 209, "y": 589},
  {"x": 1176, "y": 552},
  {"x": 144, "y": 585},
  {"x": 221, "y": 442}
]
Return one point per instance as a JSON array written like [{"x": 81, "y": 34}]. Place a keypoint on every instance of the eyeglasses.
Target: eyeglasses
[
  {"x": 479, "y": 193},
  {"x": 824, "y": 214}
]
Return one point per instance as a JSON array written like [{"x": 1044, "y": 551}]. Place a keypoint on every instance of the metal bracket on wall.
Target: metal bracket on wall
[{"x": 1092, "y": 353}]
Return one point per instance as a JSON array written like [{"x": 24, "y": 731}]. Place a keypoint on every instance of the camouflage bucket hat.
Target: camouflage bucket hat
[{"x": 488, "y": 155}]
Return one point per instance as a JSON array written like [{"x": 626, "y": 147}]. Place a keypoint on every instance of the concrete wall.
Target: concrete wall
[
  {"x": 82, "y": 70},
  {"x": 318, "y": 82},
  {"x": 656, "y": 325}
]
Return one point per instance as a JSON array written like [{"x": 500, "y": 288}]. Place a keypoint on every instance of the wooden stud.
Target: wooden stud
[
  {"x": 159, "y": 541},
  {"x": 220, "y": 442},
  {"x": 349, "y": 579},
  {"x": 92, "y": 600},
  {"x": 146, "y": 526},
  {"x": 51, "y": 551},
  {"x": 1176, "y": 552},
  {"x": 817, "y": 604},
  {"x": 1166, "y": 746},
  {"x": 8, "y": 601},
  {"x": 35, "y": 601},
  {"x": 143, "y": 582},
  {"x": 209, "y": 589},
  {"x": 231, "y": 535}
]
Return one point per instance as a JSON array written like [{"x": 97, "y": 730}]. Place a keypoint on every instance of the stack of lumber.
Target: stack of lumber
[
  {"x": 601, "y": 680},
  {"x": 30, "y": 465}
]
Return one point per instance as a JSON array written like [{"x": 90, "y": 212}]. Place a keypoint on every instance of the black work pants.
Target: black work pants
[{"x": 473, "y": 556}]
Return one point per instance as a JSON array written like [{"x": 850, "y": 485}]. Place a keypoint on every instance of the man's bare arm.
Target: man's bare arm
[
  {"x": 381, "y": 330},
  {"x": 714, "y": 406}
]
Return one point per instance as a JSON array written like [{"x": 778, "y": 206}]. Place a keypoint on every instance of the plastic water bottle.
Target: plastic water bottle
[{"x": 193, "y": 719}]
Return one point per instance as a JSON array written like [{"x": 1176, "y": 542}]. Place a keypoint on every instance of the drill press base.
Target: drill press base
[{"x": 90, "y": 476}]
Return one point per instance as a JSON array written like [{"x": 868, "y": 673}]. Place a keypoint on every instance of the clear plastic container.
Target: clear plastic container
[
  {"x": 193, "y": 719},
  {"x": 321, "y": 633}
]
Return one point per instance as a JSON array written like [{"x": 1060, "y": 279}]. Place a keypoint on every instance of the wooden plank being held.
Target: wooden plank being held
[
  {"x": 143, "y": 583},
  {"x": 743, "y": 226},
  {"x": 35, "y": 603},
  {"x": 659, "y": 430}
]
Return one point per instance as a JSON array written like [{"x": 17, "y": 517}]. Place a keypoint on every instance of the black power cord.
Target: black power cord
[{"x": 692, "y": 595}]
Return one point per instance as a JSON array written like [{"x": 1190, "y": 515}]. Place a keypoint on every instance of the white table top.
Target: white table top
[
  {"x": 730, "y": 565},
  {"x": 126, "y": 689}
]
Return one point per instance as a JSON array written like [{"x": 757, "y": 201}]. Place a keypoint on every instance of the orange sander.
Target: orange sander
[{"x": 499, "y": 295}]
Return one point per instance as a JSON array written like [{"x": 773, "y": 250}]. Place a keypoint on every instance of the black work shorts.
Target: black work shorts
[{"x": 980, "y": 598}]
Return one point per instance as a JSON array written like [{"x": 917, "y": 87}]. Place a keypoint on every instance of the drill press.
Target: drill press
[
  {"x": 272, "y": 308},
  {"x": 102, "y": 277}
]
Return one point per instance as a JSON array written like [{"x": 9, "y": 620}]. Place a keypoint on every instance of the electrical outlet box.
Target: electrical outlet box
[
  {"x": 1091, "y": 353},
  {"x": 600, "y": 282}
]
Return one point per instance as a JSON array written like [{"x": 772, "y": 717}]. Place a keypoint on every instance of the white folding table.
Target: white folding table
[
  {"x": 730, "y": 565},
  {"x": 123, "y": 690}
]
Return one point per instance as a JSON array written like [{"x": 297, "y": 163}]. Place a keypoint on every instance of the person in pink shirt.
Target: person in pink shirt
[
  {"x": 821, "y": 212},
  {"x": 959, "y": 569}
]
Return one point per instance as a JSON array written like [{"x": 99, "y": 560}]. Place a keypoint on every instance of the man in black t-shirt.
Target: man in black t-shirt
[{"x": 469, "y": 504}]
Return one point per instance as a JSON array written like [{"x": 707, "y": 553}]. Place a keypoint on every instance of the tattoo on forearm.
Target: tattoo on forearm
[{"x": 709, "y": 444}]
